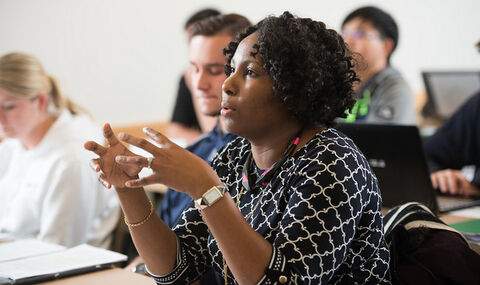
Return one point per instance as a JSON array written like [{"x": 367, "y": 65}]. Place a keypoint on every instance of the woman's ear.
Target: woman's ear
[{"x": 43, "y": 101}]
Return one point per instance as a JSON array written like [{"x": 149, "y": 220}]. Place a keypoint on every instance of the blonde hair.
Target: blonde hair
[{"x": 23, "y": 76}]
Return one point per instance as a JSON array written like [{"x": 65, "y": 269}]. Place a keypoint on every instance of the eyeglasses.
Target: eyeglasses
[{"x": 360, "y": 35}]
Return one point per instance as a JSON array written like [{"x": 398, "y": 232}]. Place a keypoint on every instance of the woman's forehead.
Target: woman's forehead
[
  {"x": 247, "y": 50},
  {"x": 5, "y": 95}
]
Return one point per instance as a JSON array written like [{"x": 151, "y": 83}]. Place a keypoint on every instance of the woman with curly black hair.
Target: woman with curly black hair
[{"x": 293, "y": 201}]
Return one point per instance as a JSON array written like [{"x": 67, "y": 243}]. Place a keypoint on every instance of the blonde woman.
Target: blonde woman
[{"x": 48, "y": 191}]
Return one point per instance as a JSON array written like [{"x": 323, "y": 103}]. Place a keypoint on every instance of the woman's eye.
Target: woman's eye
[
  {"x": 250, "y": 72},
  {"x": 8, "y": 107}
]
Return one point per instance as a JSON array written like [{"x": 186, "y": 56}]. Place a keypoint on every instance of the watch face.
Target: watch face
[{"x": 212, "y": 196}]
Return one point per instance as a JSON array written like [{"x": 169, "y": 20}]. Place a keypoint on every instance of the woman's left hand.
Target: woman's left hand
[{"x": 172, "y": 165}]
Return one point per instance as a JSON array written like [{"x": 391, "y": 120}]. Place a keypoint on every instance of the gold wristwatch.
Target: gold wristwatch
[{"x": 210, "y": 197}]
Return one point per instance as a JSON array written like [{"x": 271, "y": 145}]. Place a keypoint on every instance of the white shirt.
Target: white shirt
[{"x": 51, "y": 193}]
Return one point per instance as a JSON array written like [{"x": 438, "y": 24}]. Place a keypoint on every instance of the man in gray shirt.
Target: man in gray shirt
[{"x": 383, "y": 96}]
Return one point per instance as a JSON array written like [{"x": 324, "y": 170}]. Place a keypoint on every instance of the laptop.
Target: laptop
[
  {"x": 396, "y": 156},
  {"x": 448, "y": 90}
]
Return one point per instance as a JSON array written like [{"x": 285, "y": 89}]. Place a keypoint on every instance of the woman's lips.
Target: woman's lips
[{"x": 226, "y": 110}]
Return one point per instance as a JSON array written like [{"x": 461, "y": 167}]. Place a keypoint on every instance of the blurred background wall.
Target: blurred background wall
[{"x": 122, "y": 59}]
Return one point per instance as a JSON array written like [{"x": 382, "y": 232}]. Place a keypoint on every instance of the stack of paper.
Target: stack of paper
[
  {"x": 26, "y": 248},
  {"x": 47, "y": 261}
]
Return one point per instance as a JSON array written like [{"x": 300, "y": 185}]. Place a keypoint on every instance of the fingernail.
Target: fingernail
[{"x": 148, "y": 130}]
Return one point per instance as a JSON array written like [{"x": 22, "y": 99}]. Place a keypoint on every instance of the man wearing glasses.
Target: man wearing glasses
[{"x": 383, "y": 94}]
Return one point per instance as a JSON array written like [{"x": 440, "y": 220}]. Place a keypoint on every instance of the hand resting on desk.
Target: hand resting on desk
[{"x": 452, "y": 181}]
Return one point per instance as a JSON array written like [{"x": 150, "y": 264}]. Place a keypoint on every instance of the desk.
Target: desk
[
  {"x": 175, "y": 132},
  {"x": 115, "y": 276},
  {"x": 136, "y": 129},
  {"x": 452, "y": 219}
]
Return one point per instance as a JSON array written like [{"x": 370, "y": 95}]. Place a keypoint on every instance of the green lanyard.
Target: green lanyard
[{"x": 360, "y": 109}]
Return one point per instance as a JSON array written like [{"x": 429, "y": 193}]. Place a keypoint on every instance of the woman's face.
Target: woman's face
[
  {"x": 17, "y": 116},
  {"x": 249, "y": 107}
]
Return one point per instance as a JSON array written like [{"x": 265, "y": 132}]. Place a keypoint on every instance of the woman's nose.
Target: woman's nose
[{"x": 228, "y": 85}]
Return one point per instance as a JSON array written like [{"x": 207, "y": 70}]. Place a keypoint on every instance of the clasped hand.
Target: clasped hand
[{"x": 172, "y": 165}]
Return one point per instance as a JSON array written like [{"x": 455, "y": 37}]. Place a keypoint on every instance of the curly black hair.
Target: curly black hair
[{"x": 310, "y": 66}]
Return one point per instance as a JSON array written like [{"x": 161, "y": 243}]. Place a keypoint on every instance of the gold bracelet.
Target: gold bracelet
[{"x": 143, "y": 221}]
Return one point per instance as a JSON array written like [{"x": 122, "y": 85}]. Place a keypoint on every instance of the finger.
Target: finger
[
  {"x": 102, "y": 179},
  {"x": 95, "y": 147},
  {"x": 434, "y": 179},
  {"x": 442, "y": 183},
  {"x": 138, "y": 142},
  {"x": 95, "y": 164},
  {"x": 452, "y": 183},
  {"x": 148, "y": 180},
  {"x": 156, "y": 136},
  {"x": 137, "y": 160},
  {"x": 109, "y": 135}
]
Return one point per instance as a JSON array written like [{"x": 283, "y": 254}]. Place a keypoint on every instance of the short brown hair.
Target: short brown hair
[
  {"x": 231, "y": 24},
  {"x": 200, "y": 15}
]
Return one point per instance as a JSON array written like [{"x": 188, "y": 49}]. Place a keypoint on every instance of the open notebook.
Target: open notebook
[{"x": 31, "y": 261}]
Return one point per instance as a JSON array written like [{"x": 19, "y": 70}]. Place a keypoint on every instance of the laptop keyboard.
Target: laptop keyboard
[{"x": 446, "y": 203}]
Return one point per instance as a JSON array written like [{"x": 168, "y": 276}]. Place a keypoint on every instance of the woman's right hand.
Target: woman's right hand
[{"x": 110, "y": 173}]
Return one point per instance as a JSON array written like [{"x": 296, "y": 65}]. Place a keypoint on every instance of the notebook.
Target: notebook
[
  {"x": 47, "y": 261},
  {"x": 396, "y": 156}
]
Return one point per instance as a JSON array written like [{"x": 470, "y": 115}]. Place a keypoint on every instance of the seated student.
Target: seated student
[
  {"x": 187, "y": 121},
  {"x": 456, "y": 145},
  {"x": 291, "y": 201},
  {"x": 209, "y": 36},
  {"x": 383, "y": 96},
  {"x": 48, "y": 192}
]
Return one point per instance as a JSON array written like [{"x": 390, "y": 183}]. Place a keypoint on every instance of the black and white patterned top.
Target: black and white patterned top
[{"x": 321, "y": 214}]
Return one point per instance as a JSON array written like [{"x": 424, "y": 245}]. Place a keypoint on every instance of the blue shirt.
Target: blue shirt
[{"x": 207, "y": 147}]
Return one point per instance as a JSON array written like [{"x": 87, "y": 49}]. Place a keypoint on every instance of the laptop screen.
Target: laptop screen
[
  {"x": 395, "y": 154},
  {"x": 448, "y": 90}
]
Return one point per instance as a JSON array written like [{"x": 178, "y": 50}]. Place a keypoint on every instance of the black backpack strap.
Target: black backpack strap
[{"x": 405, "y": 213}]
